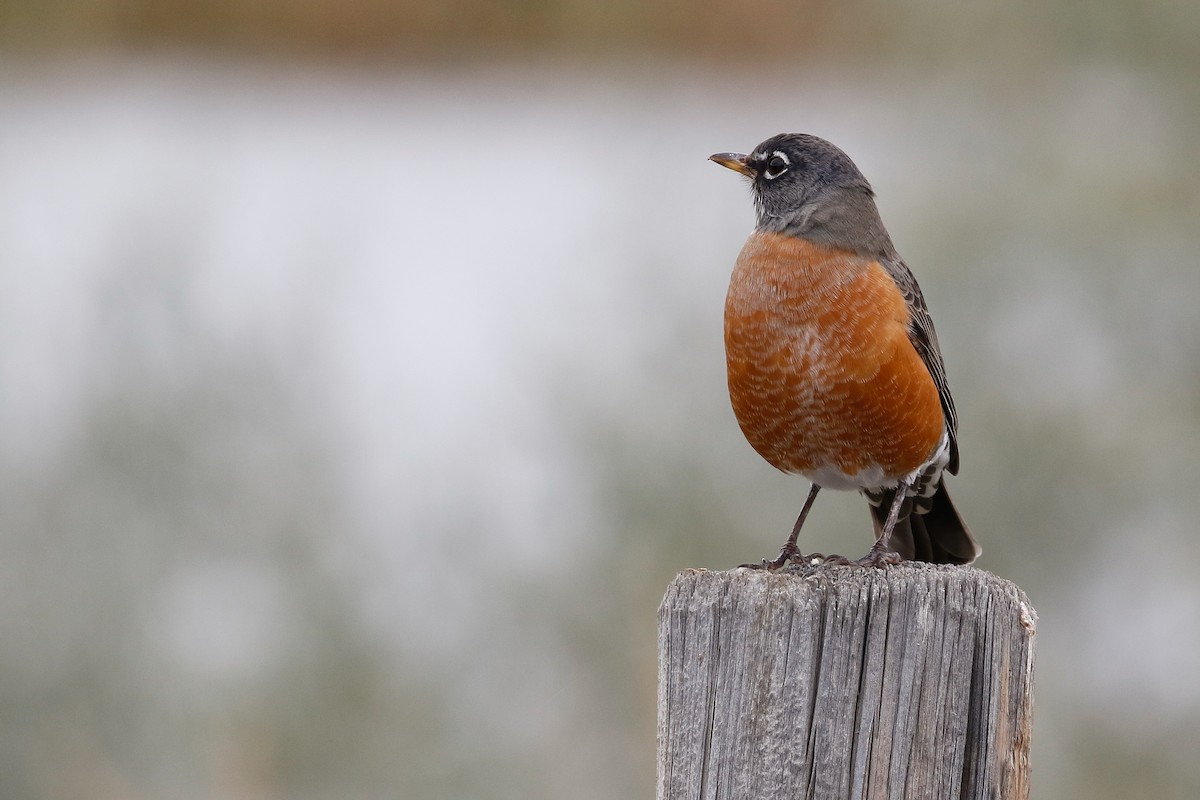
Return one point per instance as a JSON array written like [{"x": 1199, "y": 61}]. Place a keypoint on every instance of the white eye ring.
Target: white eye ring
[{"x": 768, "y": 174}]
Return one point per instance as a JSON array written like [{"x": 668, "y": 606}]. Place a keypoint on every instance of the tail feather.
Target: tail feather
[{"x": 938, "y": 536}]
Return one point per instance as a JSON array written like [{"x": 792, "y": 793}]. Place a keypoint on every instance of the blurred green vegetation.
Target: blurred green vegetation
[{"x": 937, "y": 34}]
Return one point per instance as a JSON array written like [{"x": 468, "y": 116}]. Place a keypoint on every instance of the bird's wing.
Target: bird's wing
[{"x": 924, "y": 339}]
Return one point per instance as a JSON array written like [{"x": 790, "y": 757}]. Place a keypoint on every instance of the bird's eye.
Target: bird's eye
[{"x": 776, "y": 165}]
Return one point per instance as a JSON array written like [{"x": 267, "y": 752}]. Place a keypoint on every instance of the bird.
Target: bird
[{"x": 833, "y": 363}]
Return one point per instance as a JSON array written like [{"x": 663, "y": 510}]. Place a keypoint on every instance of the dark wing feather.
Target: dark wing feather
[{"x": 924, "y": 339}]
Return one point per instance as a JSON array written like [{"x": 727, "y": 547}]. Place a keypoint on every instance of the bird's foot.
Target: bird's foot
[
  {"x": 790, "y": 554},
  {"x": 878, "y": 556}
]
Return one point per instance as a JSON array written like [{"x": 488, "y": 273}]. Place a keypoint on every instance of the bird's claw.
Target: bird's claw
[
  {"x": 790, "y": 554},
  {"x": 879, "y": 558}
]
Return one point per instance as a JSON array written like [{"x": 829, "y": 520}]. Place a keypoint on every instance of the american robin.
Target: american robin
[{"x": 834, "y": 366}]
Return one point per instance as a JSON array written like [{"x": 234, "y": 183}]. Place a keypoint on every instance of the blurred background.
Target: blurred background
[{"x": 362, "y": 382}]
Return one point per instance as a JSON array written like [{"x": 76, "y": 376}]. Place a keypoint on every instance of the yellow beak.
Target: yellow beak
[{"x": 735, "y": 162}]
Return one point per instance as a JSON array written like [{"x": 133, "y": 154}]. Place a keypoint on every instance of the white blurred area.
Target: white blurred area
[{"x": 355, "y": 421}]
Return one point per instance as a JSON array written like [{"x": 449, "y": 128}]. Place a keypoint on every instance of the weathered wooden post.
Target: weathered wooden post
[{"x": 832, "y": 682}]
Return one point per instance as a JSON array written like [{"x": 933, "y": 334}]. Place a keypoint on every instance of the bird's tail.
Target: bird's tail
[{"x": 938, "y": 535}]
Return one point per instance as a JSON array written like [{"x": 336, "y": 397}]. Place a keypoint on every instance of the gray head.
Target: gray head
[{"x": 804, "y": 186}]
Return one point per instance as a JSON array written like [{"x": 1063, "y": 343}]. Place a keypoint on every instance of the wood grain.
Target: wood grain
[{"x": 833, "y": 682}]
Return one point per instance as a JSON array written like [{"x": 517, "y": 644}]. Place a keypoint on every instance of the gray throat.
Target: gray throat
[{"x": 846, "y": 218}]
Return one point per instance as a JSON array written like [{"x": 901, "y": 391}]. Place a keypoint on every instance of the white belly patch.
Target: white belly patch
[{"x": 923, "y": 481}]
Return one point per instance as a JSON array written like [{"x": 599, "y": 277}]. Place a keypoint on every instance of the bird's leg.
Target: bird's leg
[
  {"x": 879, "y": 555},
  {"x": 790, "y": 551}
]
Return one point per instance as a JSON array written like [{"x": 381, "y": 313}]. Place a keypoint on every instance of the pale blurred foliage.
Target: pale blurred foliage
[{"x": 358, "y": 408}]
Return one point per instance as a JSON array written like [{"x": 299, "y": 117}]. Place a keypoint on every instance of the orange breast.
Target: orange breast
[{"x": 822, "y": 375}]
